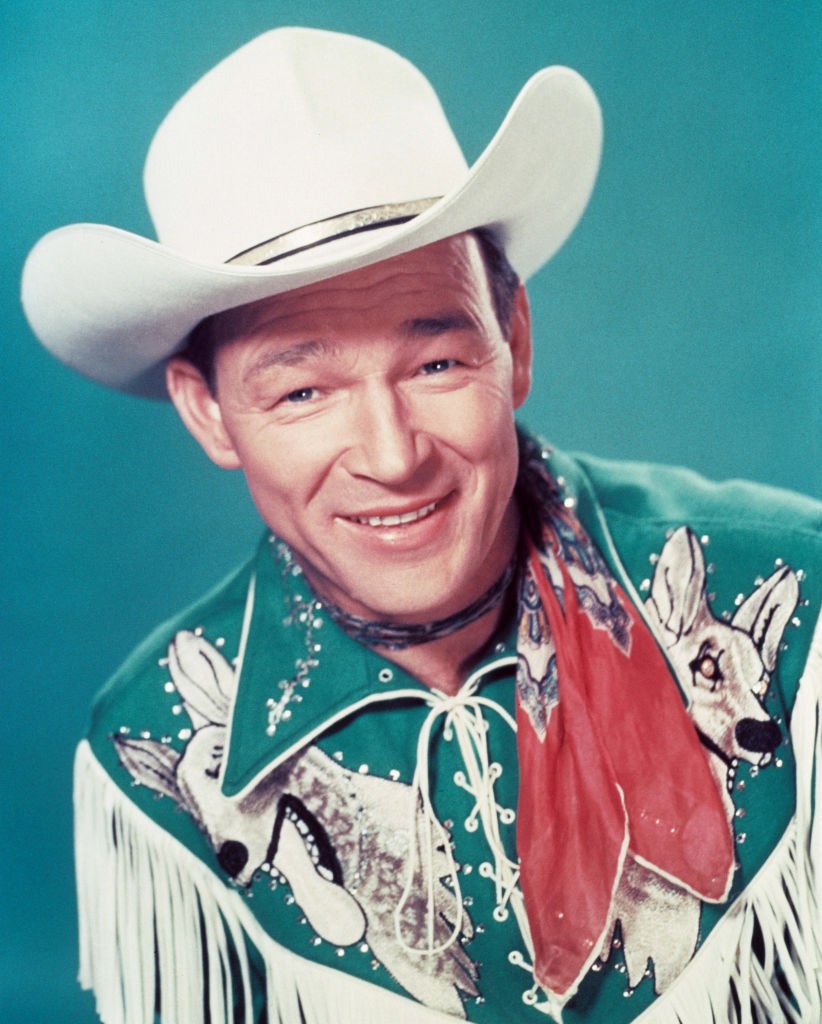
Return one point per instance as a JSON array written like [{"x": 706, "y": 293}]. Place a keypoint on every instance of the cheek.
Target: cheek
[
  {"x": 280, "y": 474},
  {"x": 482, "y": 427},
  {"x": 482, "y": 437},
  {"x": 478, "y": 414}
]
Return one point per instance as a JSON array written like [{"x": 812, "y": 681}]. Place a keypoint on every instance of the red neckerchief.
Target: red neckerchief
[{"x": 609, "y": 760}]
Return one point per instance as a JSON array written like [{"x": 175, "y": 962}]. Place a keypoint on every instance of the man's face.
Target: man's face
[{"x": 372, "y": 415}]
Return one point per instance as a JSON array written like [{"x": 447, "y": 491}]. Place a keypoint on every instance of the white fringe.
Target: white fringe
[
  {"x": 776, "y": 903},
  {"x": 141, "y": 891}
]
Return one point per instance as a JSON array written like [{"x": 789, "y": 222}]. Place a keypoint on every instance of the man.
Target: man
[{"x": 439, "y": 751}]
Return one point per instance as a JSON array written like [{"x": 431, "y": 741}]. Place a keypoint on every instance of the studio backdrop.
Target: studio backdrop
[{"x": 681, "y": 323}]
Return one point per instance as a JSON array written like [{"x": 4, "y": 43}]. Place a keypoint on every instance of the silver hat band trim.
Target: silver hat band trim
[{"x": 321, "y": 231}]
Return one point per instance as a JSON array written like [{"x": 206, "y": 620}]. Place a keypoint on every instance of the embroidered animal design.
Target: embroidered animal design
[
  {"x": 340, "y": 839},
  {"x": 724, "y": 668}
]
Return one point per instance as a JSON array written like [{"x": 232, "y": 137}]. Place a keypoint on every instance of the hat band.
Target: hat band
[{"x": 329, "y": 229}]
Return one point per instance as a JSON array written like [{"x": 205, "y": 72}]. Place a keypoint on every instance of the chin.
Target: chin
[{"x": 409, "y": 603}]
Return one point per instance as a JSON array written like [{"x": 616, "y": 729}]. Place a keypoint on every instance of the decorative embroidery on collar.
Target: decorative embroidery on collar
[{"x": 305, "y": 612}]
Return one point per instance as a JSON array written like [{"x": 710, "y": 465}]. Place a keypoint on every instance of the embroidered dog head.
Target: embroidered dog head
[
  {"x": 724, "y": 666},
  {"x": 340, "y": 839},
  {"x": 725, "y": 669},
  {"x": 267, "y": 827}
]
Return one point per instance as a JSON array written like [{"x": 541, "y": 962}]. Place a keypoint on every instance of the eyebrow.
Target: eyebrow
[
  {"x": 416, "y": 327},
  {"x": 430, "y": 326},
  {"x": 291, "y": 356}
]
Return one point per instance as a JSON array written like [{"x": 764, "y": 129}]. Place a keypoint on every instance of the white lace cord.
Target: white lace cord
[
  {"x": 531, "y": 995},
  {"x": 463, "y": 716},
  {"x": 504, "y": 872},
  {"x": 471, "y": 730}
]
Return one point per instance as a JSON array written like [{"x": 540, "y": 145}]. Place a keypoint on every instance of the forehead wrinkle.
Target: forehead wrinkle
[{"x": 294, "y": 355}]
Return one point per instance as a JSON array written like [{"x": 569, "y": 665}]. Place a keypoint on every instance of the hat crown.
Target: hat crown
[{"x": 296, "y": 126}]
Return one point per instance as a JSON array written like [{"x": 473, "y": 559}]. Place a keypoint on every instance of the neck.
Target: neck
[
  {"x": 440, "y": 653},
  {"x": 443, "y": 664}
]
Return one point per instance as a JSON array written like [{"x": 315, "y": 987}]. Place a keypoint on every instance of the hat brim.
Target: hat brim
[{"x": 114, "y": 305}]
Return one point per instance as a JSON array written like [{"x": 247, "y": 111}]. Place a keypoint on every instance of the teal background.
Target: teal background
[{"x": 680, "y": 324}]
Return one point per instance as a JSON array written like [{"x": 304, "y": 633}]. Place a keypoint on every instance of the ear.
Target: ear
[
  {"x": 203, "y": 678},
  {"x": 765, "y": 613},
  {"x": 678, "y": 587},
  {"x": 200, "y": 411},
  {"x": 519, "y": 340}
]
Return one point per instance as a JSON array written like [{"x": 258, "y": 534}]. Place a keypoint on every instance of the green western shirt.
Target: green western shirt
[{"x": 302, "y": 683}]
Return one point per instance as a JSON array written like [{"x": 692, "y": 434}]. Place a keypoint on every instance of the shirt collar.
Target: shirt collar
[{"x": 298, "y": 672}]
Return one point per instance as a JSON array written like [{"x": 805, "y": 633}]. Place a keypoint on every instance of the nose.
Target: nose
[
  {"x": 758, "y": 737},
  {"x": 386, "y": 444},
  {"x": 232, "y": 857}
]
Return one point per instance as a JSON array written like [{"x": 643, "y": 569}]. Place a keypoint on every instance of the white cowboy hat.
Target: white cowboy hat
[{"x": 303, "y": 155}]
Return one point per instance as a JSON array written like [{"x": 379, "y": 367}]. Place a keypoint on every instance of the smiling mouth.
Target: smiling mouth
[{"x": 400, "y": 519}]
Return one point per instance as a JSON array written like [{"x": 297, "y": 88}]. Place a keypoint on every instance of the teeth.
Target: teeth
[{"x": 399, "y": 520}]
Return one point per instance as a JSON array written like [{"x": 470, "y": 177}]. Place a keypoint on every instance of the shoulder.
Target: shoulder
[
  {"x": 732, "y": 555},
  {"x": 635, "y": 504},
  {"x": 651, "y": 492}
]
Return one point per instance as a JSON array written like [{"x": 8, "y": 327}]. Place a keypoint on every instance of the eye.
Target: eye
[
  {"x": 301, "y": 395},
  {"x": 437, "y": 366},
  {"x": 709, "y": 667},
  {"x": 706, "y": 666},
  {"x": 213, "y": 770}
]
